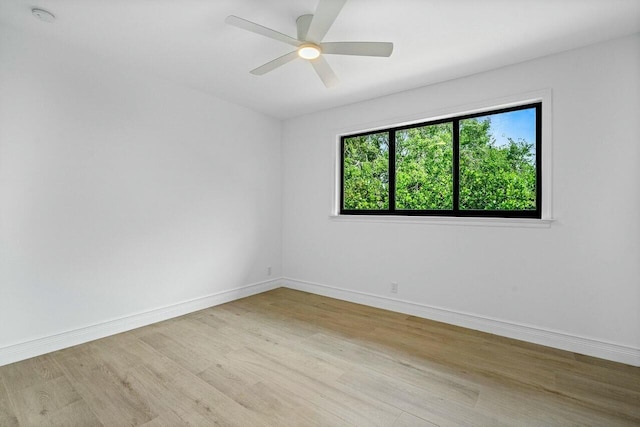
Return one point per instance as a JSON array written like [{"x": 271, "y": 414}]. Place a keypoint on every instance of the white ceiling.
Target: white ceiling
[{"x": 187, "y": 41}]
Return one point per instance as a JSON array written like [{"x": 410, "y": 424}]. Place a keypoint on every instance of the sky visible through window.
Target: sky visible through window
[{"x": 516, "y": 125}]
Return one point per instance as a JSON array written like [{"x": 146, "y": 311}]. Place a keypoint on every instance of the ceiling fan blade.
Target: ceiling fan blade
[
  {"x": 326, "y": 13},
  {"x": 259, "y": 29},
  {"x": 358, "y": 48},
  {"x": 272, "y": 65},
  {"x": 324, "y": 71}
]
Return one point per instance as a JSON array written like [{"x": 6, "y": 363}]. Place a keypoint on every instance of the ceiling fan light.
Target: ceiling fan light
[{"x": 309, "y": 51}]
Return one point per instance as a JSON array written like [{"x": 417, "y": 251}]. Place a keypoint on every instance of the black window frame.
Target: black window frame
[{"x": 455, "y": 212}]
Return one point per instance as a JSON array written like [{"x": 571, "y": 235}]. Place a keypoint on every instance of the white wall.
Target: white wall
[
  {"x": 121, "y": 193},
  {"x": 578, "y": 279}
]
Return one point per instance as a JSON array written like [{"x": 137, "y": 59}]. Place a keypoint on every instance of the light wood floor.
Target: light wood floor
[{"x": 292, "y": 358}]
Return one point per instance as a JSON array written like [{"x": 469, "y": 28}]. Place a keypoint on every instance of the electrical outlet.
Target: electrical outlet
[
  {"x": 394, "y": 288},
  {"x": 269, "y": 271}
]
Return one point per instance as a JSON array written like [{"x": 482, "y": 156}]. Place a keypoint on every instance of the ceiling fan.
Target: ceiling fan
[{"x": 309, "y": 45}]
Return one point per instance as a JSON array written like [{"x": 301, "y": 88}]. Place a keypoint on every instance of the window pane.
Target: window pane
[
  {"x": 366, "y": 172},
  {"x": 498, "y": 161},
  {"x": 424, "y": 168}
]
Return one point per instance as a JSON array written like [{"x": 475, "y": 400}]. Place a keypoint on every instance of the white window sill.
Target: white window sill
[{"x": 440, "y": 220}]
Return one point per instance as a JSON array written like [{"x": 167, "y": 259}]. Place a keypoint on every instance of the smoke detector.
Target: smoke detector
[{"x": 43, "y": 15}]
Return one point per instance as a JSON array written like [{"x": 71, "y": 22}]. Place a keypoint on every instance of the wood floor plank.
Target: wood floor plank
[
  {"x": 229, "y": 378},
  {"x": 598, "y": 373},
  {"x": 156, "y": 385},
  {"x": 166, "y": 419},
  {"x": 7, "y": 413},
  {"x": 527, "y": 406},
  {"x": 106, "y": 390},
  {"x": 273, "y": 403},
  {"x": 172, "y": 346},
  {"x": 263, "y": 316},
  {"x": 445, "y": 386},
  {"x": 123, "y": 351},
  {"x": 174, "y": 386},
  {"x": 77, "y": 414},
  {"x": 36, "y": 403},
  {"x": 613, "y": 398},
  {"x": 290, "y": 358},
  {"x": 251, "y": 334},
  {"x": 323, "y": 400},
  {"x": 407, "y": 420},
  {"x": 607, "y": 365},
  {"x": 478, "y": 356},
  {"x": 306, "y": 299},
  {"x": 281, "y": 406},
  {"x": 418, "y": 401},
  {"x": 352, "y": 407},
  {"x": 54, "y": 402},
  {"x": 188, "y": 331},
  {"x": 30, "y": 372}
]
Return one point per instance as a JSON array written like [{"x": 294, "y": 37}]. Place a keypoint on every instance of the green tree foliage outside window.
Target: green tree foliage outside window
[
  {"x": 492, "y": 176},
  {"x": 424, "y": 167},
  {"x": 497, "y": 169},
  {"x": 366, "y": 172}
]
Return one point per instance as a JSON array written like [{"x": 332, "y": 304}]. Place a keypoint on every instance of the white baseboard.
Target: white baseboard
[
  {"x": 560, "y": 340},
  {"x": 563, "y": 341},
  {"x": 36, "y": 347}
]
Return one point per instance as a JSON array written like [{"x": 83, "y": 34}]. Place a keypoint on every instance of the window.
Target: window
[{"x": 478, "y": 165}]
